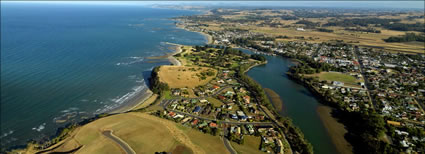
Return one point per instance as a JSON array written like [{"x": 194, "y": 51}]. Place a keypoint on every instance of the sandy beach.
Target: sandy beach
[
  {"x": 209, "y": 37},
  {"x": 335, "y": 129},
  {"x": 133, "y": 102},
  {"x": 147, "y": 93}
]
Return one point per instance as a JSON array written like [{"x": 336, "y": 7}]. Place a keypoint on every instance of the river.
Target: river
[{"x": 298, "y": 103}]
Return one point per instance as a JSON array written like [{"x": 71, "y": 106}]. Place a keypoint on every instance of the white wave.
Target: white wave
[
  {"x": 135, "y": 60},
  {"x": 140, "y": 81},
  {"x": 118, "y": 101},
  {"x": 132, "y": 76},
  {"x": 39, "y": 128},
  {"x": 7, "y": 133},
  {"x": 150, "y": 69},
  {"x": 84, "y": 100}
]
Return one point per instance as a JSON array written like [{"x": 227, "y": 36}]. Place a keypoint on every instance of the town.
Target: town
[
  {"x": 352, "y": 78},
  {"x": 225, "y": 105}
]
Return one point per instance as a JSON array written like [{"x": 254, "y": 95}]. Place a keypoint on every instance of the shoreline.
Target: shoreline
[
  {"x": 144, "y": 95},
  {"x": 336, "y": 130},
  {"x": 171, "y": 57},
  {"x": 206, "y": 35}
]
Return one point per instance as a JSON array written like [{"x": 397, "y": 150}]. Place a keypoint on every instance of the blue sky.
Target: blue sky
[{"x": 351, "y": 4}]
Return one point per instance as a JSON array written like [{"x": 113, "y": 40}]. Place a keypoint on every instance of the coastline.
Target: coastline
[
  {"x": 144, "y": 95},
  {"x": 207, "y": 36},
  {"x": 171, "y": 57}
]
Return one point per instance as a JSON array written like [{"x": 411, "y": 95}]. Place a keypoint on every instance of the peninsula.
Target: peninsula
[{"x": 204, "y": 102}]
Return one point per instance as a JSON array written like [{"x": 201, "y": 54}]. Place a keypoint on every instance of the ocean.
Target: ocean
[{"x": 62, "y": 63}]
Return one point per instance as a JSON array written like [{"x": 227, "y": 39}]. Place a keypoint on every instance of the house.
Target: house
[
  {"x": 186, "y": 119},
  {"x": 246, "y": 99},
  {"x": 337, "y": 83},
  {"x": 394, "y": 123},
  {"x": 213, "y": 125},
  {"x": 194, "y": 122},
  {"x": 238, "y": 130},
  {"x": 197, "y": 109},
  {"x": 250, "y": 129},
  {"x": 178, "y": 116},
  {"x": 203, "y": 124},
  {"x": 300, "y": 29},
  {"x": 229, "y": 93}
]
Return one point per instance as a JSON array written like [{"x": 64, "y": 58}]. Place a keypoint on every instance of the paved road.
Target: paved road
[
  {"x": 225, "y": 122},
  {"x": 121, "y": 143},
  {"x": 366, "y": 81},
  {"x": 227, "y": 143}
]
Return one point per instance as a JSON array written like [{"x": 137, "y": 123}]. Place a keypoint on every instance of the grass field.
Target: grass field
[
  {"x": 374, "y": 40},
  {"x": 182, "y": 76},
  {"x": 144, "y": 134},
  {"x": 215, "y": 102},
  {"x": 363, "y": 39},
  {"x": 251, "y": 145},
  {"x": 336, "y": 76}
]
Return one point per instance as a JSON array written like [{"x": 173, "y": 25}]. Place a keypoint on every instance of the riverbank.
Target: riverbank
[
  {"x": 275, "y": 99},
  {"x": 335, "y": 129}
]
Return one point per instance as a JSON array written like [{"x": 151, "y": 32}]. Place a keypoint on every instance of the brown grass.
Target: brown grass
[
  {"x": 251, "y": 145},
  {"x": 143, "y": 133},
  {"x": 182, "y": 76}
]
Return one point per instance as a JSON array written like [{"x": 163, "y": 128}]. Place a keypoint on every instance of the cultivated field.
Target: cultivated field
[
  {"x": 182, "y": 76},
  {"x": 289, "y": 28}
]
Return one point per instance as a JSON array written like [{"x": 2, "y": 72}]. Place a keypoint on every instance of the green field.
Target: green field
[{"x": 335, "y": 76}]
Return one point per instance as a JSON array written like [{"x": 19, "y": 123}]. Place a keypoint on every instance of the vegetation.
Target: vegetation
[
  {"x": 409, "y": 37},
  {"x": 157, "y": 86},
  {"x": 294, "y": 134},
  {"x": 258, "y": 57},
  {"x": 325, "y": 30},
  {"x": 308, "y": 24}
]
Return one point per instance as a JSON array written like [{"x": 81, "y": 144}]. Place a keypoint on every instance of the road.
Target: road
[
  {"x": 366, "y": 81},
  {"x": 127, "y": 149},
  {"x": 224, "y": 122},
  {"x": 227, "y": 143}
]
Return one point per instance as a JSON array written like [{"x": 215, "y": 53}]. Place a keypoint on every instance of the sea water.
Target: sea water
[{"x": 62, "y": 63}]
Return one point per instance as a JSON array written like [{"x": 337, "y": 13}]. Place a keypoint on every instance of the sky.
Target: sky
[{"x": 340, "y": 4}]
